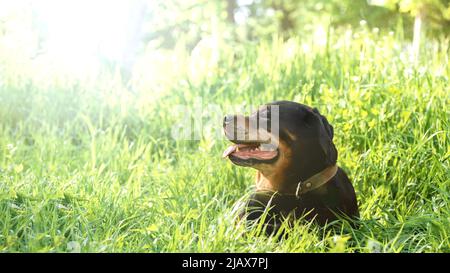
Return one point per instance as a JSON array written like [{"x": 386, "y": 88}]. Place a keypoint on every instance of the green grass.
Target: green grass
[{"x": 87, "y": 165}]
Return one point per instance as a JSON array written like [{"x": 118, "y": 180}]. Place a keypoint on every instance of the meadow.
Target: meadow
[{"x": 88, "y": 164}]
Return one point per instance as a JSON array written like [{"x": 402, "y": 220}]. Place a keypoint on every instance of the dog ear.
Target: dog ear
[
  {"x": 328, "y": 127},
  {"x": 326, "y": 138}
]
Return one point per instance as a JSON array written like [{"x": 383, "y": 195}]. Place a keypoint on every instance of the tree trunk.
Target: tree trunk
[
  {"x": 417, "y": 36},
  {"x": 231, "y": 8}
]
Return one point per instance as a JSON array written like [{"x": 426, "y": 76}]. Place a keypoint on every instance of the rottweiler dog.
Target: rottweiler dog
[{"x": 291, "y": 146}]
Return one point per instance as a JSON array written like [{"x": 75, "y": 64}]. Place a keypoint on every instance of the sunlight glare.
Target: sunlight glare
[{"x": 80, "y": 31}]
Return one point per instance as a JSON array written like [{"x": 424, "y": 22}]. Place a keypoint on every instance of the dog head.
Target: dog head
[{"x": 285, "y": 141}]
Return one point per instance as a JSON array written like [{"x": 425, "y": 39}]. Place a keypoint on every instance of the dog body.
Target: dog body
[{"x": 296, "y": 162}]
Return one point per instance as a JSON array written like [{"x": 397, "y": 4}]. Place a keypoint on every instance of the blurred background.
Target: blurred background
[{"x": 146, "y": 42}]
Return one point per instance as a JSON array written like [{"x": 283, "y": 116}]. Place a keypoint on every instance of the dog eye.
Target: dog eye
[{"x": 308, "y": 120}]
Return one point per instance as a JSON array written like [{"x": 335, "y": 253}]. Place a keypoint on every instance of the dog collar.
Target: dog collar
[
  {"x": 315, "y": 181},
  {"x": 312, "y": 183}
]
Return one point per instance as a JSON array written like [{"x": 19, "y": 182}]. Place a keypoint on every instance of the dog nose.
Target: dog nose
[{"x": 227, "y": 119}]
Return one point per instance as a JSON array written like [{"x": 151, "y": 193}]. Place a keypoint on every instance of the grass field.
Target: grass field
[{"x": 87, "y": 165}]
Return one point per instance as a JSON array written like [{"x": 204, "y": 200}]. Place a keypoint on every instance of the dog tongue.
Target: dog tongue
[{"x": 229, "y": 150}]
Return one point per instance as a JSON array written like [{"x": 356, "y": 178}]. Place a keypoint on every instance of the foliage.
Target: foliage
[
  {"x": 260, "y": 19},
  {"x": 87, "y": 165},
  {"x": 435, "y": 12}
]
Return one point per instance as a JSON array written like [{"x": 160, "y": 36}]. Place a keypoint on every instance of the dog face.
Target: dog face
[{"x": 283, "y": 140}]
